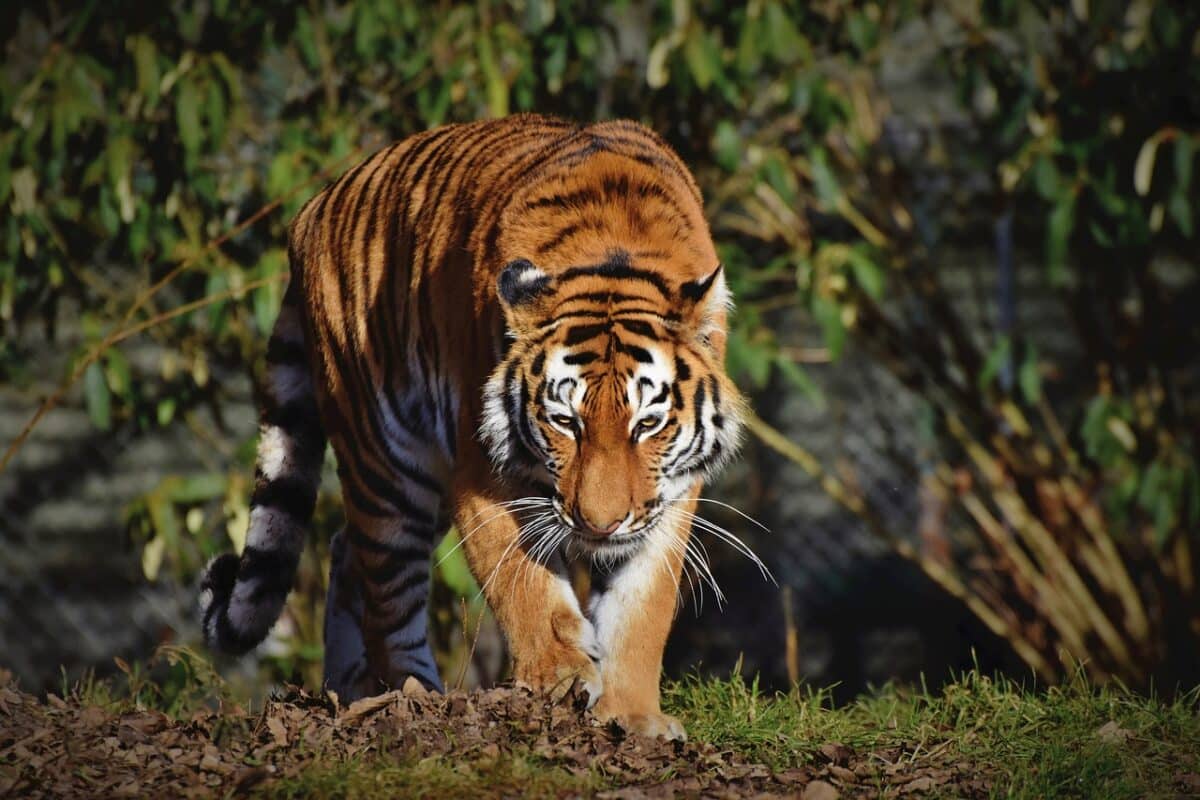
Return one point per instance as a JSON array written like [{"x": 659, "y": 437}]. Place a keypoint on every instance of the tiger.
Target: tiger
[{"x": 516, "y": 327}]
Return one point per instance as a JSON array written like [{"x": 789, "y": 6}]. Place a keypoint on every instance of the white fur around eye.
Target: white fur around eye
[
  {"x": 565, "y": 388},
  {"x": 560, "y": 423},
  {"x": 647, "y": 425}
]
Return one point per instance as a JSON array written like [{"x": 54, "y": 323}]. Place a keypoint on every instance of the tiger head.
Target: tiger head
[{"x": 612, "y": 391}]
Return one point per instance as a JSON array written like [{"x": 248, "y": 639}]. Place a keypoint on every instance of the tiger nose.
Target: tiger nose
[{"x": 599, "y": 530}]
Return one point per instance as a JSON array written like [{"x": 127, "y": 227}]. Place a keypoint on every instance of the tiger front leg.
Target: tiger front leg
[
  {"x": 552, "y": 643},
  {"x": 632, "y": 613}
]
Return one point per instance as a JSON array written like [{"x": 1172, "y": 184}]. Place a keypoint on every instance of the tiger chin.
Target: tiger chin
[{"x": 516, "y": 327}]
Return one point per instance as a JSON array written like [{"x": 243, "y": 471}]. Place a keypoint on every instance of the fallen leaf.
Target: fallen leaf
[
  {"x": 819, "y": 790},
  {"x": 1112, "y": 733},
  {"x": 369, "y": 705}
]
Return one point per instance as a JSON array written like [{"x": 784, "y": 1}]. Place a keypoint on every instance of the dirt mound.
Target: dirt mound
[{"x": 58, "y": 748}]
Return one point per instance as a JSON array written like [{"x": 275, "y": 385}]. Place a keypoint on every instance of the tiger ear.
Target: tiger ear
[
  {"x": 705, "y": 302},
  {"x": 521, "y": 287}
]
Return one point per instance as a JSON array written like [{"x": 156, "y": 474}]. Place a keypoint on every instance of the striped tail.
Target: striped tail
[{"x": 241, "y": 597}]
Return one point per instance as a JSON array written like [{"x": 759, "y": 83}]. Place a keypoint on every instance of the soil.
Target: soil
[{"x": 60, "y": 748}]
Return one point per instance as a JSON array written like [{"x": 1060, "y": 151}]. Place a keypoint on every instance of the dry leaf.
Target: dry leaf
[
  {"x": 819, "y": 790},
  {"x": 1112, "y": 733}
]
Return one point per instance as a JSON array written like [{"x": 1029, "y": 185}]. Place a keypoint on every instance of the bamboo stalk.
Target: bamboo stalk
[
  {"x": 940, "y": 575},
  {"x": 1136, "y": 620},
  {"x": 1066, "y": 620},
  {"x": 1012, "y": 505}
]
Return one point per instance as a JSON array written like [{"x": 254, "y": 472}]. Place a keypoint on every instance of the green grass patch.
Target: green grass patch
[
  {"x": 513, "y": 775},
  {"x": 1040, "y": 743}
]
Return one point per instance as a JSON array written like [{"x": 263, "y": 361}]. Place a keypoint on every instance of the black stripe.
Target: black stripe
[
  {"x": 682, "y": 371},
  {"x": 639, "y": 354},
  {"x": 361, "y": 541},
  {"x": 232, "y": 640},
  {"x": 580, "y": 197},
  {"x": 272, "y": 571},
  {"x": 620, "y": 271},
  {"x": 564, "y": 233},
  {"x": 292, "y": 495},
  {"x": 397, "y": 621},
  {"x": 580, "y": 358},
  {"x": 583, "y": 333},
  {"x": 416, "y": 579},
  {"x": 639, "y": 327},
  {"x": 281, "y": 352},
  {"x": 539, "y": 362}
]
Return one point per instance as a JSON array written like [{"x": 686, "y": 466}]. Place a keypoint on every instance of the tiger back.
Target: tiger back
[{"x": 516, "y": 326}]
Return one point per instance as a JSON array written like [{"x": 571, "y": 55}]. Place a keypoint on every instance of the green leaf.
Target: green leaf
[
  {"x": 145, "y": 59},
  {"x": 215, "y": 112},
  {"x": 1185, "y": 151},
  {"x": 366, "y": 27},
  {"x": 165, "y": 411},
  {"x": 798, "y": 376},
  {"x": 152, "y": 557},
  {"x": 863, "y": 33},
  {"x": 829, "y": 316},
  {"x": 702, "y": 56},
  {"x": 745, "y": 357},
  {"x": 749, "y": 48},
  {"x": 1164, "y": 519},
  {"x": 782, "y": 38},
  {"x": 495, "y": 85},
  {"x": 555, "y": 65},
  {"x": 1180, "y": 208},
  {"x": 1143, "y": 168},
  {"x": 867, "y": 274},
  {"x": 187, "y": 118},
  {"x": 199, "y": 488},
  {"x": 1029, "y": 377},
  {"x": 824, "y": 181},
  {"x": 999, "y": 356},
  {"x": 97, "y": 397},
  {"x": 118, "y": 375},
  {"x": 1058, "y": 234},
  {"x": 727, "y": 145},
  {"x": 267, "y": 298},
  {"x": 452, "y": 566},
  {"x": 1045, "y": 178}
]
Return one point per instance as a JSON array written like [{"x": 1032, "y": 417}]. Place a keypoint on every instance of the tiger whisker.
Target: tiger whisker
[
  {"x": 517, "y": 540},
  {"x": 545, "y": 538},
  {"x": 732, "y": 540},
  {"x": 734, "y": 509},
  {"x": 696, "y": 554},
  {"x": 523, "y": 503}
]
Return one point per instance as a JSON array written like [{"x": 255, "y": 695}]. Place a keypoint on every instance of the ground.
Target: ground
[{"x": 977, "y": 737}]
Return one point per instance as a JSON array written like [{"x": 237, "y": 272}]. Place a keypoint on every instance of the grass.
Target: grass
[
  {"x": 519, "y": 775},
  {"x": 1046, "y": 742}
]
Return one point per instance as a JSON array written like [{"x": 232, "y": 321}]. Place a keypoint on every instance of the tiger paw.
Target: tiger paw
[
  {"x": 654, "y": 724},
  {"x": 555, "y": 674}
]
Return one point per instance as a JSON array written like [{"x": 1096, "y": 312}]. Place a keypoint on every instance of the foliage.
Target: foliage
[{"x": 131, "y": 137}]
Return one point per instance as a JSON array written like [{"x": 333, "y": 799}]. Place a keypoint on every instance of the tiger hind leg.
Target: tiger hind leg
[
  {"x": 346, "y": 671},
  {"x": 376, "y": 619}
]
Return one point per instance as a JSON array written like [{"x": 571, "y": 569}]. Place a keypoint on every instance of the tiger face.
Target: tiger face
[{"x": 612, "y": 392}]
